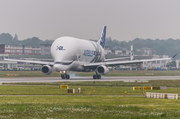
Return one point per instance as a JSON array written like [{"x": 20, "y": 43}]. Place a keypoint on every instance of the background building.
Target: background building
[
  {"x": 20, "y": 49},
  {"x": 45, "y": 49}
]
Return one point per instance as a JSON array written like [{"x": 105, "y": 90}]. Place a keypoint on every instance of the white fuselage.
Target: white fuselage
[{"x": 71, "y": 53}]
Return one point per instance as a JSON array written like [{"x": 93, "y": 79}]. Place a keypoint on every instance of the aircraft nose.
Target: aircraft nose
[
  {"x": 59, "y": 67},
  {"x": 56, "y": 67}
]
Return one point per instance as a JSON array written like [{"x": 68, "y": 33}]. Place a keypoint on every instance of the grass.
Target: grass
[
  {"x": 111, "y": 73},
  {"x": 104, "y": 104},
  {"x": 80, "y": 107},
  {"x": 28, "y": 74},
  {"x": 85, "y": 90}
]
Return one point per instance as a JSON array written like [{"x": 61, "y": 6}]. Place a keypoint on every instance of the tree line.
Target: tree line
[
  {"x": 159, "y": 47},
  {"x": 8, "y": 39}
]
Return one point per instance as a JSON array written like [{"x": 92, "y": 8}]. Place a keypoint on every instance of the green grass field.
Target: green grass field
[
  {"x": 90, "y": 107},
  {"x": 47, "y": 101},
  {"x": 85, "y": 90},
  {"x": 107, "y": 101},
  {"x": 111, "y": 73},
  {"x": 28, "y": 74}
]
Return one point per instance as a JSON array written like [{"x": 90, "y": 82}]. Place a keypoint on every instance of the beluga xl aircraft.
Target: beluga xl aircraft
[{"x": 74, "y": 54}]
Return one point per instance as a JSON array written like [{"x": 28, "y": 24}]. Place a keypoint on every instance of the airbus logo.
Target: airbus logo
[
  {"x": 90, "y": 53},
  {"x": 60, "y": 48}
]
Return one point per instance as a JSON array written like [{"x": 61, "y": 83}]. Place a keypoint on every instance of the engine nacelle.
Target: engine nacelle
[
  {"x": 46, "y": 69},
  {"x": 102, "y": 70}
]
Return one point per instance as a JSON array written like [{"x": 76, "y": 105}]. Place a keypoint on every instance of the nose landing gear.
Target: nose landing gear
[{"x": 65, "y": 76}]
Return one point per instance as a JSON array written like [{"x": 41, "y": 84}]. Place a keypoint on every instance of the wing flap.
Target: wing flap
[
  {"x": 115, "y": 59},
  {"x": 31, "y": 62},
  {"x": 123, "y": 62}
]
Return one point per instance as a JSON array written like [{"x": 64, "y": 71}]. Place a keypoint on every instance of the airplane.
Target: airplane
[{"x": 80, "y": 55}]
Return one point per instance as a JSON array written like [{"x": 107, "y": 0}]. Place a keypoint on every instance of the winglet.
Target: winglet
[
  {"x": 173, "y": 56},
  {"x": 132, "y": 55}
]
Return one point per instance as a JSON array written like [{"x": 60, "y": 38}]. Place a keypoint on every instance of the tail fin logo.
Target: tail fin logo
[{"x": 103, "y": 36}]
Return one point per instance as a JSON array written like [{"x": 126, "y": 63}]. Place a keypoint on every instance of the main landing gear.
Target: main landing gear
[
  {"x": 65, "y": 76},
  {"x": 96, "y": 76}
]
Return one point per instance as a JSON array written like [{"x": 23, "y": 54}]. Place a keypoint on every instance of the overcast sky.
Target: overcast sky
[{"x": 125, "y": 19}]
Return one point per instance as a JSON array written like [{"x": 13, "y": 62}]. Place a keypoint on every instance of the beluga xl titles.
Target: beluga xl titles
[{"x": 74, "y": 54}]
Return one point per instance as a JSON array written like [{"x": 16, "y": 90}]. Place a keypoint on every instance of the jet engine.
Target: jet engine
[
  {"x": 102, "y": 70},
  {"x": 46, "y": 69}
]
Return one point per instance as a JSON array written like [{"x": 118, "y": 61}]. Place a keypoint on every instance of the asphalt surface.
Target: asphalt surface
[
  {"x": 76, "y": 95},
  {"x": 58, "y": 79}
]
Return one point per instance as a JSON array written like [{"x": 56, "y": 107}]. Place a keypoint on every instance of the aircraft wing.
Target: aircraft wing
[
  {"x": 30, "y": 61},
  {"x": 124, "y": 62},
  {"x": 115, "y": 59}
]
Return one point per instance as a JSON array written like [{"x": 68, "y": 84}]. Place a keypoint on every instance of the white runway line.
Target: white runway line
[{"x": 75, "y": 79}]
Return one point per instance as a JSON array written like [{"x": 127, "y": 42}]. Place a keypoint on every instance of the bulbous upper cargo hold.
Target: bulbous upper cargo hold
[
  {"x": 68, "y": 49},
  {"x": 63, "y": 49}
]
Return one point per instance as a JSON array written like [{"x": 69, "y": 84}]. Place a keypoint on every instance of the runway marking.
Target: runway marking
[
  {"x": 75, "y": 79},
  {"x": 75, "y": 95}
]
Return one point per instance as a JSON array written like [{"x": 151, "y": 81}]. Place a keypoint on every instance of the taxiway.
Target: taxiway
[{"x": 58, "y": 79}]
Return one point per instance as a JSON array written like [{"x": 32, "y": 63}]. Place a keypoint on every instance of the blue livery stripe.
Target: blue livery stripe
[{"x": 103, "y": 37}]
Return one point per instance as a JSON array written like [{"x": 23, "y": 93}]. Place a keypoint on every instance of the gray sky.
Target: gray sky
[{"x": 125, "y": 19}]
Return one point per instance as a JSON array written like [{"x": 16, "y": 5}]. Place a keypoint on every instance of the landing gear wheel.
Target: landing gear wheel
[
  {"x": 67, "y": 76},
  {"x": 62, "y": 76},
  {"x": 98, "y": 76}
]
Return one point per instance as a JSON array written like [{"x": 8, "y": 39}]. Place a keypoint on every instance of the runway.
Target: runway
[{"x": 58, "y": 79}]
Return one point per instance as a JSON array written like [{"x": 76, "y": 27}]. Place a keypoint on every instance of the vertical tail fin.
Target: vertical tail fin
[
  {"x": 102, "y": 39},
  {"x": 132, "y": 54}
]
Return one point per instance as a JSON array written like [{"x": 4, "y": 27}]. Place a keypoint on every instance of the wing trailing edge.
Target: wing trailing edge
[{"x": 125, "y": 62}]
